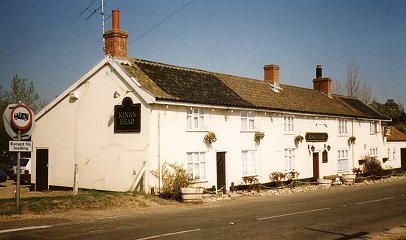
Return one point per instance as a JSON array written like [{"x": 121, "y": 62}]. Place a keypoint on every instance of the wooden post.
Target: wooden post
[
  {"x": 75, "y": 180},
  {"x": 18, "y": 175}
]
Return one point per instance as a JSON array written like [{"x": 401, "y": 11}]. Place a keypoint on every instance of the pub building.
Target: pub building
[{"x": 127, "y": 117}]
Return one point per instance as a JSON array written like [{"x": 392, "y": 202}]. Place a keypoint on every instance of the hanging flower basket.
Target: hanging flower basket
[
  {"x": 210, "y": 138},
  {"x": 351, "y": 140},
  {"x": 258, "y": 136},
  {"x": 298, "y": 138}
]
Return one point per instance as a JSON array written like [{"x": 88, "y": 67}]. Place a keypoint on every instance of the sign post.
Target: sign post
[{"x": 18, "y": 121}]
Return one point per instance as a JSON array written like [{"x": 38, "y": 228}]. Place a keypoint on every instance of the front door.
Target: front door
[
  {"x": 41, "y": 180},
  {"x": 221, "y": 170},
  {"x": 316, "y": 169},
  {"x": 403, "y": 158}
]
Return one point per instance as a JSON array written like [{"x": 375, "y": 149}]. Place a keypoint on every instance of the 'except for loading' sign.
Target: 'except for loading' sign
[{"x": 21, "y": 117}]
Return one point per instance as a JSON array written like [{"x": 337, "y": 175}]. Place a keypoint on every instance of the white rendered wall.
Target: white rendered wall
[{"x": 82, "y": 132}]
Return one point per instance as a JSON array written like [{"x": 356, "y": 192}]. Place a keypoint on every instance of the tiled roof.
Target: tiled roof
[
  {"x": 173, "y": 83},
  {"x": 395, "y": 135},
  {"x": 362, "y": 108}
]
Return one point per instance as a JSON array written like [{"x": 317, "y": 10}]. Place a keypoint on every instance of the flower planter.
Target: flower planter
[
  {"x": 324, "y": 182},
  {"x": 350, "y": 178},
  {"x": 192, "y": 194}
]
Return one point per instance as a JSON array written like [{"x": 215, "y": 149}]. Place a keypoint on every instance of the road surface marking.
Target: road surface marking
[
  {"x": 377, "y": 200},
  {"x": 22, "y": 229},
  {"x": 294, "y": 213},
  {"x": 169, "y": 234}
]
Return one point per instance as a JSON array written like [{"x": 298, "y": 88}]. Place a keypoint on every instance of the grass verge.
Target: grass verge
[{"x": 84, "y": 200}]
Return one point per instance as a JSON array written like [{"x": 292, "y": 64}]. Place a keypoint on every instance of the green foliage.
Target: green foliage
[
  {"x": 258, "y": 136},
  {"x": 174, "y": 177},
  {"x": 210, "y": 138},
  {"x": 393, "y": 110}
]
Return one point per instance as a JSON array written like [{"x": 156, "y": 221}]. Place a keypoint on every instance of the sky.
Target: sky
[{"x": 52, "y": 44}]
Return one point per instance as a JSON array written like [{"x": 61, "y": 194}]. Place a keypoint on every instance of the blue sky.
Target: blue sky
[{"x": 47, "y": 41}]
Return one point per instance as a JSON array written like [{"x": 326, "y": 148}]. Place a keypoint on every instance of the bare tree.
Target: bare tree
[
  {"x": 353, "y": 80},
  {"x": 354, "y": 85},
  {"x": 337, "y": 87}
]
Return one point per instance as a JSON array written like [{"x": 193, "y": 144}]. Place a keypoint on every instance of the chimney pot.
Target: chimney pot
[
  {"x": 319, "y": 71},
  {"x": 271, "y": 74},
  {"x": 116, "y": 19}
]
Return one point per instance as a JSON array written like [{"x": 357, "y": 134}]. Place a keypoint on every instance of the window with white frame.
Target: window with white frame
[
  {"x": 289, "y": 124},
  {"x": 249, "y": 166},
  {"x": 195, "y": 118},
  {"x": 373, "y": 152},
  {"x": 247, "y": 120},
  {"x": 342, "y": 127},
  {"x": 373, "y": 127},
  {"x": 196, "y": 165},
  {"x": 289, "y": 159},
  {"x": 394, "y": 154},
  {"x": 342, "y": 160}
]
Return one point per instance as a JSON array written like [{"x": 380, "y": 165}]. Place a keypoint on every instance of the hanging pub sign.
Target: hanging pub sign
[
  {"x": 127, "y": 117},
  {"x": 316, "y": 137}
]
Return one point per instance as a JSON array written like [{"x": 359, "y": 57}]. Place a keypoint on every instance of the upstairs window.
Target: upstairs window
[
  {"x": 247, "y": 120},
  {"x": 196, "y": 165},
  {"x": 373, "y": 127},
  {"x": 195, "y": 118},
  {"x": 289, "y": 124},
  {"x": 342, "y": 127}
]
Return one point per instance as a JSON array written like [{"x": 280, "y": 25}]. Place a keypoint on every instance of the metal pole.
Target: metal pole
[{"x": 18, "y": 174}]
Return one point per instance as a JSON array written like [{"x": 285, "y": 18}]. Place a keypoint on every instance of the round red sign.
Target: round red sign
[{"x": 21, "y": 117}]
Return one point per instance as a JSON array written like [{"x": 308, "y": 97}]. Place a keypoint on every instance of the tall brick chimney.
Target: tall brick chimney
[
  {"x": 320, "y": 83},
  {"x": 271, "y": 74},
  {"x": 115, "y": 39}
]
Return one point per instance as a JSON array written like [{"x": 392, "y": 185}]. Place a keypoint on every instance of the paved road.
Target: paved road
[{"x": 345, "y": 213}]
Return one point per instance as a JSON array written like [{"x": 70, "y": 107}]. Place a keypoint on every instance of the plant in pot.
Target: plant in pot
[
  {"x": 292, "y": 176},
  {"x": 210, "y": 138},
  {"x": 277, "y": 178},
  {"x": 298, "y": 139},
  {"x": 351, "y": 140},
  {"x": 251, "y": 182},
  {"x": 258, "y": 136}
]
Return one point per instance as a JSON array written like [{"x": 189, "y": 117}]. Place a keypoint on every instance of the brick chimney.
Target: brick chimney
[
  {"x": 320, "y": 83},
  {"x": 115, "y": 39},
  {"x": 271, "y": 74}
]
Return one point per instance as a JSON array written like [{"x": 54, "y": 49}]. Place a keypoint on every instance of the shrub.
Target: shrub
[
  {"x": 371, "y": 167},
  {"x": 174, "y": 177}
]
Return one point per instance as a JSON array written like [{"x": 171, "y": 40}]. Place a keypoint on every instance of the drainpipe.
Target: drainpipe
[
  {"x": 352, "y": 145},
  {"x": 159, "y": 152}
]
